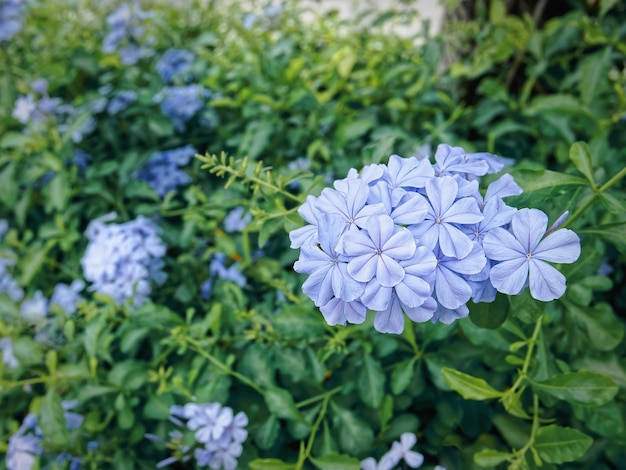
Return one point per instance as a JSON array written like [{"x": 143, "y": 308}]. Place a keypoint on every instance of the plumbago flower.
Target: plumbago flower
[{"x": 419, "y": 239}]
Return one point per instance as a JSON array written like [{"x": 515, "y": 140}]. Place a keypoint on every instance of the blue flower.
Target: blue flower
[
  {"x": 445, "y": 214},
  {"x": 218, "y": 269},
  {"x": 121, "y": 101},
  {"x": 34, "y": 309},
  {"x": 67, "y": 297},
  {"x": 11, "y": 18},
  {"x": 126, "y": 27},
  {"x": 522, "y": 256},
  {"x": 6, "y": 347},
  {"x": 121, "y": 260},
  {"x": 8, "y": 285},
  {"x": 306, "y": 235},
  {"x": 454, "y": 160},
  {"x": 237, "y": 220},
  {"x": 327, "y": 269},
  {"x": 376, "y": 252},
  {"x": 181, "y": 103},
  {"x": 340, "y": 312},
  {"x": 162, "y": 171},
  {"x": 174, "y": 62},
  {"x": 451, "y": 288}
]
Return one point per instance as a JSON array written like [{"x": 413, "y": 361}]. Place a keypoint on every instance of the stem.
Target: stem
[
  {"x": 323, "y": 396},
  {"x": 307, "y": 450},
  {"x": 223, "y": 367},
  {"x": 531, "y": 346},
  {"x": 610, "y": 183}
]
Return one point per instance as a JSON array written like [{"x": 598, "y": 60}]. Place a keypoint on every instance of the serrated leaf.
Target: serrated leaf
[
  {"x": 581, "y": 388},
  {"x": 556, "y": 444},
  {"x": 402, "y": 375},
  {"x": 469, "y": 387},
  {"x": 371, "y": 382},
  {"x": 280, "y": 402},
  {"x": 490, "y": 458},
  {"x": 336, "y": 462},
  {"x": 580, "y": 155}
]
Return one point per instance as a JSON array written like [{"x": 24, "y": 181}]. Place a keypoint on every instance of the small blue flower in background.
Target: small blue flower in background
[
  {"x": 162, "y": 171},
  {"x": 121, "y": 260},
  {"x": 125, "y": 32},
  {"x": 121, "y": 101},
  {"x": 218, "y": 269},
  {"x": 11, "y": 18},
  {"x": 400, "y": 450},
  {"x": 216, "y": 428},
  {"x": 25, "y": 445},
  {"x": 181, "y": 103},
  {"x": 174, "y": 62},
  {"x": 8, "y": 358},
  {"x": 8, "y": 285},
  {"x": 522, "y": 255},
  {"x": 34, "y": 309},
  {"x": 67, "y": 297},
  {"x": 237, "y": 220}
]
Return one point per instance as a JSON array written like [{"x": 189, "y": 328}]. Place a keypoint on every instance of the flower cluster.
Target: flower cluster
[
  {"x": 181, "y": 103},
  {"x": 219, "y": 270},
  {"x": 126, "y": 29},
  {"x": 6, "y": 349},
  {"x": 162, "y": 171},
  {"x": 121, "y": 101},
  {"x": 36, "y": 107},
  {"x": 399, "y": 451},
  {"x": 174, "y": 62},
  {"x": 11, "y": 18},
  {"x": 121, "y": 260},
  {"x": 25, "y": 446},
  {"x": 220, "y": 432},
  {"x": 419, "y": 239},
  {"x": 8, "y": 285},
  {"x": 66, "y": 297}
]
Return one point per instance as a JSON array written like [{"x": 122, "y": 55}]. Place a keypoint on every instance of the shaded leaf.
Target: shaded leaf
[
  {"x": 371, "y": 382},
  {"x": 556, "y": 444},
  {"x": 280, "y": 402},
  {"x": 582, "y": 387}
]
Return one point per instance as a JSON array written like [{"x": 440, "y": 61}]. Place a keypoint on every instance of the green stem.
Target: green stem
[
  {"x": 221, "y": 366},
  {"x": 606, "y": 186},
  {"x": 316, "y": 398},
  {"x": 307, "y": 450},
  {"x": 529, "y": 352}
]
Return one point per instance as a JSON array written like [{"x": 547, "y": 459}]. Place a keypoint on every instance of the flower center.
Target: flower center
[
  {"x": 529, "y": 255},
  {"x": 379, "y": 251},
  {"x": 438, "y": 220}
]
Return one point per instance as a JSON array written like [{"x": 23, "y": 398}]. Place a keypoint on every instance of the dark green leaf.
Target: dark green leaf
[
  {"x": 280, "y": 402},
  {"x": 490, "y": 314},
  {"x": 266, "y": 434},
  {"x": 582, "y": 388},
  {"x": 593, "y": 79},
  {"x": 371, "y": 382},
  {"x": 557, "y": 444},
  {"x": 469, "y": 387},
  {"x": 402, "y": 375},
  {"x": 603, "y": 327},
  {"x": 355, "y": 436},
  {"x": 558, "y": 104}
]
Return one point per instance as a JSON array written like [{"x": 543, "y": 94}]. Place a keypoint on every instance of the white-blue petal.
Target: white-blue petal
[
  {"x": 510, "y": 276},
  {"x": 545, "y": 282}
]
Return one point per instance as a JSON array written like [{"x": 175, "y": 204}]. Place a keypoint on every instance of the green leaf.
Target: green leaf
[
  {"x": 402, "y": 375},
  {"x": 615, "y": 234},
  {"x": 32, "y": 263},
  {"x": 270, "y": 464},
  {"x": 558, "y": 104},
  {"x": 606, "y": 5},
  {"x": 52, "y": 420},
  {"x": 265, "y": 436},
  {"x": 336, "y": 462},
  {"x": 469, "y": 387},
  {"x": 582, "y": 388},
  {"x": 580, "y": 154},
  {"x": 129, "y": 374},
  {"x": 371, "y": 382},
  {"x": 490, "y": 458},
  {"x": 556, "y": 444},
  {"x": 490, "y": 314},
  {"x": 344, "y": 59},
  {"x": 525, "y": 308},
  {"x": 614, "y": 201},
  {"x": 352, "y": 130},
  {"x": 355, "y": 435},
  {"x": 280, "y": 402},
  {"x": 531, "y": 180},
  {"x": 295, "y": 322},
  {"x": 603, "y": 327},
  {"x": 593, "y": 78}
]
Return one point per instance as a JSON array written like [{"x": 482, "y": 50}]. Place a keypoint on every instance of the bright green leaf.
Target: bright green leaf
[
  {"x": 270, "y": 464},
  {"x": 336, "y": 462},
  {"x": 556, "y": 444},
  {"x": 490, "y": 458},
  {"x": 469, "y": 387},
  {"x": 52, "y": 420}
]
